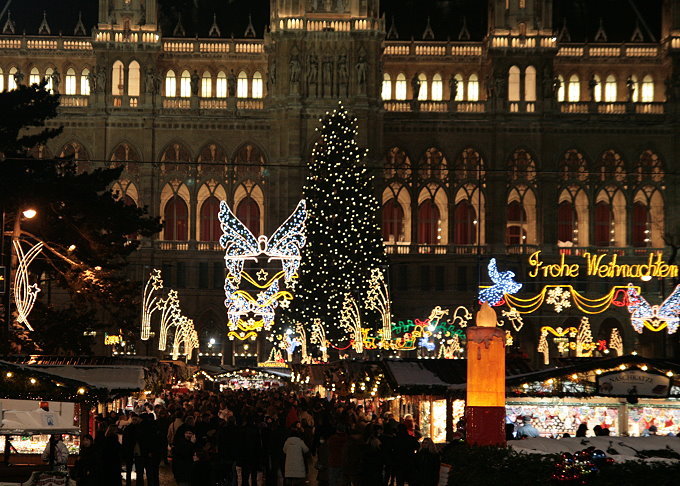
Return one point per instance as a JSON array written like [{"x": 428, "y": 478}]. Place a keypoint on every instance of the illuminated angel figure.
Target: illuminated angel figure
[
  {"x": 503, "y": 283},
  {"x": 654, "y": 317},
  {"x": 240, "y": 244},
  {"x": 241, "y": 304}
]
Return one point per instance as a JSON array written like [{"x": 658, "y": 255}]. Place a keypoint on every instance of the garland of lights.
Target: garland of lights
[
  {"x": 248, "y": 315},
  {"x": 170, "y": 316},
  {"x": 25, "y": 294},
  {"x": 654, "y": 317},
  {"x": 350, "y": 320},
  {"x": 378, "y": 299},
  {"x": 149, "y": 301},
  {"x": 588, "y": 306}
]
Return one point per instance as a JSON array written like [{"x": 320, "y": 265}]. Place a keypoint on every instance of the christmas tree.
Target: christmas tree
[{"x": 344, "y": 242}]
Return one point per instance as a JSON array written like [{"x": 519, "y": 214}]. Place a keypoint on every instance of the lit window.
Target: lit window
[
  {"x": 134, "y": 79},
  {"x": 386, "y": 87},
  {"x": 185, "y": 85},
  {"x": 34, "y": 77},
  {"x": 84, "y": 82},
  {"x": 647, "y": 89},
  {"x": 257, "y": 85},
  {"x": 221, "y": 85},
  {"x": 610, "y": 89},
  {"x": 118, "y": 79},
  {"x": 242, "y": 85},
  {"x": 71, "y": 82},
  {"x": 530, "y": 83},
  {"x": 206, "y": 85},
  {"x": 513, "y": 84},
  {"x": 437, "y": 87},
  {"x": 574, "y": 89},
  {"x": 472, "y": 88},
  {"x": 170, "y": 84},
  {"x": 422, "y": 93},
  {"x": 400, "y": 87}
]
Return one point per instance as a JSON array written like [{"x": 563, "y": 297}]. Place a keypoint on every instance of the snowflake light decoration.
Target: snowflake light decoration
[
  {"x": 248, "y": 314},
  {"x": 560, "y": 298}
]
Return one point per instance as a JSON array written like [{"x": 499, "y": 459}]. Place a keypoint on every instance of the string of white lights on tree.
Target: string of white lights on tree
[
  {"x": 149, "y": 300},
  {"x": 25, "y": 293}
]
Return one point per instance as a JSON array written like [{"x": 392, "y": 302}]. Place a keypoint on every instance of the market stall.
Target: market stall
[{"x": 246, "y": 378}]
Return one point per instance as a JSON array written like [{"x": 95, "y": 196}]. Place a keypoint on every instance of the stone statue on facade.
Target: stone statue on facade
[
  {"x": 55, "y": 77},
  {"x": 231, "y": 84},
  {"x": 294, "y": 66},
  {"x": 18, "y": 78},
  {"x": 327, "y": 75},
  {"x": 312, "y": 73},
  {"x": 92, "y": 82},
  {"x": 592, "y": 84},
  {"x": 342, "y": 74},
  {"x": 362, "y": 70},
  {"x": 630, "y": 86},
  {"x": 453, "y": 88},
  {"x": 149, "y": 80},
  {"x": 272, "y": 73},
  {"x": 415, "y": 86},
  {"x": 101, "y": 79},
  {"x": 195, "y": 82},
  {"x": 557, "y": 86}
]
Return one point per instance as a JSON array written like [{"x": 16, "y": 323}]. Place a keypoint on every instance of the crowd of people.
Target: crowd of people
[{"x": 250, "y": 437}]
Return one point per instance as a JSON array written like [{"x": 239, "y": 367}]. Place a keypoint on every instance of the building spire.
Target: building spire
[
  {"x": 637, "y": 33},
  {"x": 80, "y": 27},
  {"x": 564, "y": 35},
  {"x": 428, "y": 34},
  {"x": 44, "y": 28},
  {"x": 9, "y": 27},
  {"x": 464, "y": 33},
  {"x": 601, "y": 35},
  {"x": 392, "y": 33},
  {"x": 214, "y": 29},
  {"x": 250, "y": 30},
  {"x": 179, "y": 28}
]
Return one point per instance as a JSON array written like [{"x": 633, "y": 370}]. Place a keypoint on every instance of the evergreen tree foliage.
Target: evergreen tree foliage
[
  {"x": 344, "y": 241},
  {"x": 88, "y": 232}
]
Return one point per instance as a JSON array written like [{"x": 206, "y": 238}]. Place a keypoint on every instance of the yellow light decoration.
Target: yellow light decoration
[
  {"x": 543, "y": 347},
  {"x": 153, "y": 285},
  {"x": 378, "y": 299},
  {"x": 170, "y": 315},
  {"x": 300, "y": 329},
  {"x": 186, "y": 336},
  {"x": 318, "y": 337},
  {"x": 584, "y": 339},
  {"x": 350, "y": 320},
  {"x": 616, "y": 342},
  {"x": 584, "y": 304},
  {"x": 25, "y": 294}
]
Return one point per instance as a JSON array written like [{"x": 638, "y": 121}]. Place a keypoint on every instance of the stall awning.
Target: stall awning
[{"x": 112, "y": 378}]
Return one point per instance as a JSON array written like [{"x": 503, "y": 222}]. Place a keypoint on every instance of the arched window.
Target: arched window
[
  {"x": 647, "y": 89},
  {"x": 597, "y": 88},
  {"x": 522, "y": 166},
  {"x": 640, "y": 225},
  {"x": 206, "y": 85},
  {"x": 11, "y": 82},
  {"x": 560, "y": 89},
  {"x": 515, "y": 233},
  {"x": 393, "y": 221},
  {"x": 566, "y": 221},
  {"x": 170, "y": 84},
  {"x": 257, "y": 91},
  {"x": 649, "y": 167},
  {"x": 34, "y": 77},
  {"x": 464, "y": 224},
  {"x": 397, "y": 164},
  {"x": 210, "y": 223},
  {"x": 134, "y": 79},
  {"x": 513, "y": 84},
  {"x": 530, "y": 83},
  {"x": 118, "y": 79},
  {"x": 611, "y": 167},
  {"x": 248, "y": 212},
  {"x": 422, "y": 94},
  {"x": 610, "y": 89},
  {"x": 221, "y": 85},
  {"x": 85, "y": 82},
  {"x": 433, "y": 164},
  {"x": 437, "y": 87},
  {"x": 185, "y": 84},
  {"x": 71, "y": 82},
  {"x": 386, "y": 87},
  {"x": 574, "y": 89},
  {"x": 428, "y": 223},
  {"x": 400, "y": 87},
  {"x": 603, "y": 224},
  {"x": 242, "y": 85},
  {"x": 49, "y": 86},
  {"x": 176, "y": 216},
  {"x": 573, "y": 166},
  {"x": 473, "y": 88}
]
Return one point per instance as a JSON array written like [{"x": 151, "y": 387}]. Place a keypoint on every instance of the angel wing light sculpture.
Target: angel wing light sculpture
[
  {"x": 654, "y": 317},
  {"x": 248, "y": 314}
]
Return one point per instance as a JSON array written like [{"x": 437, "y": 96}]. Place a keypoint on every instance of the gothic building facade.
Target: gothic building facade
[{"x": 518, "y": 141}]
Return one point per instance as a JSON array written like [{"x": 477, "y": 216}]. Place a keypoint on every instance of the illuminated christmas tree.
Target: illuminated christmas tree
[{"x": 344, "y": 242}]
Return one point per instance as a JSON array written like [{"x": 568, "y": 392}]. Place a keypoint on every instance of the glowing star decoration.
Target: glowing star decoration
[
  {"x": 615, "y": 342},
  {"x": 461, "y": 316},
  {"x": 25, "y": 293},
  {"x": 654, "y": 317},
  {"x": 350, "y": 320},
  {"x": 559, "y": 298},
  {"x": 248, "y": 314},
  {"x": 170, "y": 316},
  {"x": 318, "y": 337},
  {"x": 503, "y": 284},
  {"x": 379, "y": 301},
  {"x": 514, "y": 317},
  {"x": 300, "y": 330},
  {"x": 149, "y": 301},
  {"x": 185, "y": 336}
]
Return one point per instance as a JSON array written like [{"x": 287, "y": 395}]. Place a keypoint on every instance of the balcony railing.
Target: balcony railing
[
  {"x": 608, "y": 250},
  {"x": 79, "y": 101},
  {"x": 415, "y": 248}
]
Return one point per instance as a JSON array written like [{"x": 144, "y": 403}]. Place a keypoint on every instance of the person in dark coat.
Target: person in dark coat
[
  {"x": 405, "y": 447},
  {"x": 110, "y": 459},
  {"x": 183, "y": 457},
  {"x": 86, "y": 471},
  {"x": 249, "y": 452},
  {"x": 427, "y": 464}
]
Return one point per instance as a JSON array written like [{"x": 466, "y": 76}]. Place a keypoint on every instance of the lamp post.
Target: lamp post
[{"x": 10, "y": 261}]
